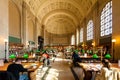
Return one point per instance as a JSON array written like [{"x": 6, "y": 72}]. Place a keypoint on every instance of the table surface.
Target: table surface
[
  {"x": 81, "y": 56},
  {"x": 30, "y": 66},
  {"x": 23, "y": 57},
  {"x": 96, "y": 66}
]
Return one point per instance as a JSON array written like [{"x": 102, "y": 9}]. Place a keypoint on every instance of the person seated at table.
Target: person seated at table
[
  {"x": 76, "y": 58},
  {"x": 15, "y": 69},
  {"x": 106, "y": 73},
  {"x": 45, "y": 57},
  {"x": 106, "y": 63}
]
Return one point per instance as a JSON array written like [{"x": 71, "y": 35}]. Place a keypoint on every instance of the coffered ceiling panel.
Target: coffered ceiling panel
[{"x": 63, "y": 6}]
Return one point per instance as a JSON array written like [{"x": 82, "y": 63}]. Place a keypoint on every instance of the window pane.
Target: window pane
[
  {"x": 90, "y": 30},
  {"x": 106, "y": 20}
]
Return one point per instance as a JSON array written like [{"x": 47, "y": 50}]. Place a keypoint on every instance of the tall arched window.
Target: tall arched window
[
  {"x": 106, "y": 20},
  {"x": 81, "y": 35},
  {"x": 90, "y": 30},
  {"x": 73, "y": 40}
]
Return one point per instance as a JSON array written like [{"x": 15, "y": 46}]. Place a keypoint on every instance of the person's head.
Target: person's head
[{"x": 106, "y": 63}]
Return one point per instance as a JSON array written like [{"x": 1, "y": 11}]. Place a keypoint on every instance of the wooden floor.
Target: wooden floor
[{"x": 59, "y": 69}]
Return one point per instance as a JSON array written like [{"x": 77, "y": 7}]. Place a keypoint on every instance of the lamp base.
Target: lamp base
[{"x": 5, "y": 61}]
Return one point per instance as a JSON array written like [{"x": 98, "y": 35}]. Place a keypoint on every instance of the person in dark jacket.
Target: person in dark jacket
[
  {"x": 76, "y": 57},
  {"x": 15, "y": 69}
]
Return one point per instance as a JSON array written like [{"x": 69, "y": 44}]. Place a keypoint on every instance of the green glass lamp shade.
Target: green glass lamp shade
[
  {"x": 76, "y": 51},
  {"x": 37, "y": 51},
  {"x": 108, "y": 56},
  {"x": 25, "y": 56},
  {"x": 12, "y": 56},
  {"x": 95, "y": 56},
  {"x": 90, "y": 52},
  {"x": 83, "y": 51}
]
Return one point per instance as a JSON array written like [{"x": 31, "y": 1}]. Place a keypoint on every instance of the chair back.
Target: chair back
[{"x": 5, "y": 75}]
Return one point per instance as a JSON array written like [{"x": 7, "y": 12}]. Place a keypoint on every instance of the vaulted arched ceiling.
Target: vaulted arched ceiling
[{"x": 60, "y": 16}]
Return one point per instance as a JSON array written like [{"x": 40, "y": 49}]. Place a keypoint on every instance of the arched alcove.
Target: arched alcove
[{"x": 14, "y": 20}]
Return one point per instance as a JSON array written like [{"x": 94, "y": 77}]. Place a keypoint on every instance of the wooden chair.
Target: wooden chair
[{"x": 5, "y": 75}]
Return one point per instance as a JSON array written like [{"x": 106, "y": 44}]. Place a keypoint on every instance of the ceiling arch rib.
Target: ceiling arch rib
[
  {"x": 63, "y": 22},
  {"x": 61, "y": 13},
  {"x": 35, "y": 5},
  {"x": 60, "y": 28},
  {"x": 53, "y": 16},
  {"x": 84, "y": 6},
  {"x": 60, "y": 16},
  {"x": 69, "y": 12},
  {"x": 59, "y": 6},
  {"x": 69, "y": 4}
]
